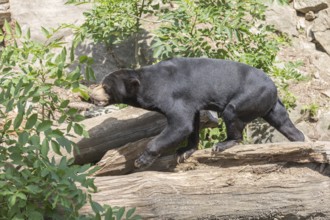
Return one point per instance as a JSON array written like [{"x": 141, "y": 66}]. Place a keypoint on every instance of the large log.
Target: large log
[
  {"x": 118, "y": 128},
  {"x": 251, "y": 187},
  {"x": 121, "y": 161}
]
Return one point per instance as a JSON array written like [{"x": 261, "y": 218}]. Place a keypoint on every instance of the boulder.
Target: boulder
[
  {"x": 323, "y": 127},
  {"x": 305, "y": 6},
  {"x": 35, "y": 14},
  {"x": 276, "y": 14},
  {"x": 322, "y": 23},
  {"x": 323, "y": 40},
  {"x": 321, "y": 30}
]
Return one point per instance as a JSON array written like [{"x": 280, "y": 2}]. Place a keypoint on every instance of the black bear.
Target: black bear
[{"x": 180, "y": 87}]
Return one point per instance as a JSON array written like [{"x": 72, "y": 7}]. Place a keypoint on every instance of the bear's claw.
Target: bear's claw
[{"x": 145, "y": 160}]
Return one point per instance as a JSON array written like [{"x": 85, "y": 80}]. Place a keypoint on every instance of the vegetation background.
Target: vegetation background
[{"x": 36, "y": 120}]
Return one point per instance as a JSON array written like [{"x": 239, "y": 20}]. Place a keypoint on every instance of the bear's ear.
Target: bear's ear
[{"x": 132, "y": 86}]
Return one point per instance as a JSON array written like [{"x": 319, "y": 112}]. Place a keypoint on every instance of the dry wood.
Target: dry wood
[
  {"x": 121, "y": 160},
  {"x": 241, "y": 183},
  {"x": 118, "y": 128}
]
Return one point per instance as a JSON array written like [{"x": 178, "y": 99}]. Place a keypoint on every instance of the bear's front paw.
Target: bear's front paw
[{"x": 145, "y": 160}]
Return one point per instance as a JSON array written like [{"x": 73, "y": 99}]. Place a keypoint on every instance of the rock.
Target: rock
[
  {"x": 326, "y": 93},
  {"x": 322, "y": 23},
  {"x": 323, "y": 40},
  {"x": 4, "y": 7},
  {"x": 309, "y": 16},
  {"x": 323, "y": 127},
  {"x": 98, "y": 111},
  {"x": 321, "y": 30},
  {"x": 35, "y": 14},
  {"x": 4, "y": 15},
  {"x": 305, "y": 6},
  {"x": 276, "y": 14}
]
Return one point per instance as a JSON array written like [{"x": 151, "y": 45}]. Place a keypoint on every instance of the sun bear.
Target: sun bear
[{"x": 180, "y": 87}]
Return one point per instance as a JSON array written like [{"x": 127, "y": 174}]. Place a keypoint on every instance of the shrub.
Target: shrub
[{"x": 34, "y": 186}]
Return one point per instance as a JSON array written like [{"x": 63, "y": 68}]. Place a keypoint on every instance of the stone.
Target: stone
[
  {"x": 310, "y": 16},
  {"x": 323, "y": 40},
  {"x": 326, "y": 93},
  {"x": 4, "y": 15},
  {"x": 276, "y": 14},
  {"x": 4, "y": 7},
  {"x": 322, "y": 23},
  {"x": 323, "y": 127},
  {"x": 321, "y": 30},
  {"x": 35, "y": 14},
  {"x": 4, "y": 1},
  {"x": 305, "y": 6}
]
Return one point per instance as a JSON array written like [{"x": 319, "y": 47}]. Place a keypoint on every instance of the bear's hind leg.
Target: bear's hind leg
[
  {"x": 278, "y": 117},
  {"x": 234, "y": 126}
]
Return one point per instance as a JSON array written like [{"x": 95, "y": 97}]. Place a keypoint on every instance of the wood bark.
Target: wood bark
[
  {"x": 121, "y": 161},
  {"x": 118, "y": 128},
  {"x": 268, "y": 181}
]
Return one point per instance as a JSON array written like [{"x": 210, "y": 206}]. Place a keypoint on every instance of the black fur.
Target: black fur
[{"x": 179, "y": 88}]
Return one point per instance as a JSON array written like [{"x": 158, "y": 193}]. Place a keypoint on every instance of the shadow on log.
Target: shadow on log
[{"x": 266, "y": 181}]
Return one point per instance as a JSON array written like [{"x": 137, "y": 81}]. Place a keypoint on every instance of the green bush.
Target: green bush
[
  {"x": 217, "y": 29},
  {"x": 34, "y": 186}
]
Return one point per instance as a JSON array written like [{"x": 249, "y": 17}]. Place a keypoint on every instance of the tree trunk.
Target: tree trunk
[
  {"x": 121, "y": 161},
  {"x": 118, "y": 128},
  {"x": 268, "y": 181}
]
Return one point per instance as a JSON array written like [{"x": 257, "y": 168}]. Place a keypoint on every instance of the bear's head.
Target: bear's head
[{"x": 118, "y": 87}]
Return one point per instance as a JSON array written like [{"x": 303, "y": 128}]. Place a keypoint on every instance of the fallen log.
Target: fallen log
[
  {"x": 121, "y": 161},
  {"x": 118, "y": 128},
  {"x": 268, "y": 181}
]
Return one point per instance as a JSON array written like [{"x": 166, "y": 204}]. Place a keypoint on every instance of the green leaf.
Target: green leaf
[
  {"x": 62, "y": 119},
  {"x": 78, "y": 129},
  {"x": 7, "y": 27},
  {"x": 28, "y": 34},
  {"x": 120, "y": 213},
  {"x": 83, "y": 59},
  {"x": 97, "y": 208},
  {"x": 18, "y": 30},
  {"x": 56, "y": 133},
  {"x": 108, "y": 214},
  {"x": 65, "y": 143},
  {"x": 21, "y": 196},
  {"x": 72, "y": 50},
  {"x": 45, "y": 32},
  {"x": 18, "y": 121},
  {"x": 64, "y": 104},
  {"x": 130, "y": 213},
  {"x": 12, "y": 200},
  {"x": 23, "y": 138},
  {"x": 44, "y": 147},
  {"x": 82, "y": 92},
  {"x": 7, "y": 125},
  {"x": 34, "y": 189},
  {"x": 56, "y": 147},
  {"x": 35, "y": 215},
  {"x": 35, "y": 140},
  {"x": 45, "y": 125},
  {"x": 31, "y": 121}
]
